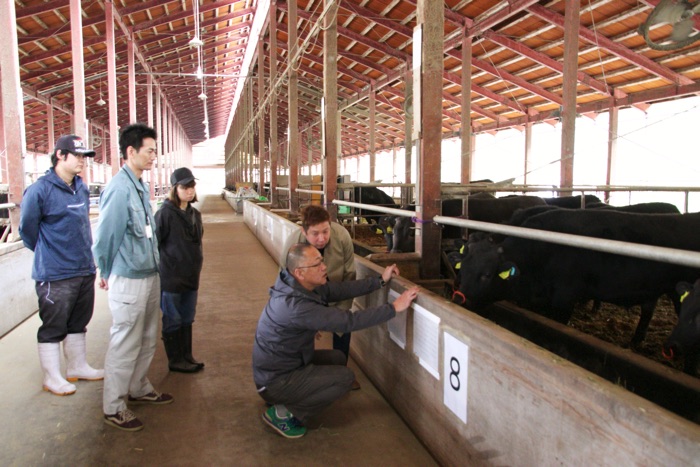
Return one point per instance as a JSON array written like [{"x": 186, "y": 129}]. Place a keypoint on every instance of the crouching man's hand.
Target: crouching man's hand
[
  {"x": 405, "y": 299},
  {"x": 389, "y": 272}
]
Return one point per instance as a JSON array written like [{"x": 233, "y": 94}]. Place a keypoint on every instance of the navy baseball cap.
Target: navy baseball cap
[{"x": 73, "y": 144}]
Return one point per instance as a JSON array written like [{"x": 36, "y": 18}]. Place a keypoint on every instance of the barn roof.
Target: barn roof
[{"x": 517, "y": 66}]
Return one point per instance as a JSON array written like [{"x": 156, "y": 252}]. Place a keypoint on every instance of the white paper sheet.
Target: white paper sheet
[
  {"x": 426, "y": 337},
  {"x": 455, "y": 371},
  {"x": 397, "y": 325}
]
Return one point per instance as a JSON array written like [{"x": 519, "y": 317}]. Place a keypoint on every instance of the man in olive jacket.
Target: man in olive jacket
[{"x": 289, "y": 374}]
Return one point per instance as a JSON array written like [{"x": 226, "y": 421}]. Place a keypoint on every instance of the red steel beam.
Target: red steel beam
[{"x": 620, "y": 50}]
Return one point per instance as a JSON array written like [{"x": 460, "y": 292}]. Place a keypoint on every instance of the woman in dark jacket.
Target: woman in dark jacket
[{"x": 179, "y": 231}]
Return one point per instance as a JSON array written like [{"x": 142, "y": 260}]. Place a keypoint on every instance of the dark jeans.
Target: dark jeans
[
  {"x": 65, "y": 307},
  {"x": 178, "y": 309},
  {"x": 310, "y": 389}
]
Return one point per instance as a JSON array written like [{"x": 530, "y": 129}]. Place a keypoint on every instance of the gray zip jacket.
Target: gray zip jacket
[{"x": 284, "y": 339}]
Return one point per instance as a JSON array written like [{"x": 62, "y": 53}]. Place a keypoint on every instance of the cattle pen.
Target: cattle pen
[
  {"x": 530, "y": 165},
  {"x": 525, "y": 405}
]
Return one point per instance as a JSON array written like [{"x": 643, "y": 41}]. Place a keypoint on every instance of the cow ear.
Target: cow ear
[
  {"x": 683, "y": 289},
  {"x": 455, "y": 259},
  {"x": 508, "y": 271}
]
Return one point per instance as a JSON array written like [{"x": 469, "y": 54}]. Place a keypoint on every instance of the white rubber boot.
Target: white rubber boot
[
  {"x": 76, "y": 367},
  {"x": 50, "y": 359}
]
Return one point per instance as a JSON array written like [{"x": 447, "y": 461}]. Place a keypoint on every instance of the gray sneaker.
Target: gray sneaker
[
  {"x": 124, "y": 420},
  {"x": 153, "y": 397}
]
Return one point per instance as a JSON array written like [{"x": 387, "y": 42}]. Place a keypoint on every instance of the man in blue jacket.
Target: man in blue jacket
[
  {"x": 126, "y": 251},
  {"x": 296, "y": 380},
  {"x": 55, "y": 225}
]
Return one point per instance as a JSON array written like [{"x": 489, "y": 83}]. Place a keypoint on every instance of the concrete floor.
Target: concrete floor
[{"x": 216, "y": 416}]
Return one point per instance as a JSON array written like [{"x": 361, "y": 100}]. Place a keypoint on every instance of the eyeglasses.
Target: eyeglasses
[{"x": 311, "y": 266}]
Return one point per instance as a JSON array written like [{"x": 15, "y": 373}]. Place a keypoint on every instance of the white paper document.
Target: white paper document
[
  {"x": 426, "y": 337},
  {"x": 455, "y": 371},
  {"x": 397, "y": 325}
]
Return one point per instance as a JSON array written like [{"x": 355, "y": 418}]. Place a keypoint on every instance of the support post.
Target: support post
[
  {"x": 15, "y": 147},
  {"x": 431, "y": 19},
  {"x": 568, "y": 129},
  {"x": 331, "y": 117},
  {"x": 466, "y": 133}
]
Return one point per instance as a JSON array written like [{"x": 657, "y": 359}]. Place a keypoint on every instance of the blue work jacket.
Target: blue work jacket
[{"x": 55, "y": 224}]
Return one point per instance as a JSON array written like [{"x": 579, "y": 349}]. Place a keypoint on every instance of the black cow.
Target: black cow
[
  {"x": 572, "y": 202},
  {"x": 484, "y": 209},
  {"x": 375, "y": 196},
  {"x": 551, "y": 279},
  {"x": 640, "y": 208},
  {"x": 685, "y": 337}
]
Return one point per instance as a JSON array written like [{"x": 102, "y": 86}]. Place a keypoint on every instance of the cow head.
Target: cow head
[
  {"x": 685, "y": 337},
  {"x": 404, "y": 240},
  {"x": 484, "y": 275},
  {"x": 385, "y": 226}
]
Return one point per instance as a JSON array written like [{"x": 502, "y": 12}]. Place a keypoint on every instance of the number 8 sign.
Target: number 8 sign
[{"x": 455, "y": 366}]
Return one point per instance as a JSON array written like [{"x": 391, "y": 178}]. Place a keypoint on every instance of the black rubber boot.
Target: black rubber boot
[
  {"x": 187, "y": 345},
  {"x": 173, "y": 349}
]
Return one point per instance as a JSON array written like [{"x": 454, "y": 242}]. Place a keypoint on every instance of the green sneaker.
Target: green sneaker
[{"x": 289, "y": 427}]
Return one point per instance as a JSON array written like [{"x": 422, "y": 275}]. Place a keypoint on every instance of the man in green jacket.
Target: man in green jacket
[{"x": 126, "y": 252}]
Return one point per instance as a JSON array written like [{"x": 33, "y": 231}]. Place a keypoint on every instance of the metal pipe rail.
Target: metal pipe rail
[
  {"x": 374, "y": 207},
  {"x": 313, "y": 192},
  {"x": 637, "y": 250},
  {"x": 8, "y": 206}
]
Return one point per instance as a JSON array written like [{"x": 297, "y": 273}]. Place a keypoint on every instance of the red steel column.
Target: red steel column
[
  {"x": 406, "y": 193},
  {"x": 112, "y": 89},
  {"x": 274, "y": 150},
  {"x": 293, "y": 97},
  {"x": 130, "y": 50},
  {"x": 372, "y": 125},
  {"x": 568, "y": 128},
  {"x": 331, "y": 116},
  {"x": 12, "y": 113},
  {"x": 50, "y": 128},
  {"x": 466, "y": 133},
  {"x": 159, "y": 131},
  {"x": 79, "y": 118},
  {"x": 261, "y": 117},
  {"x": 612, "y": 142}
]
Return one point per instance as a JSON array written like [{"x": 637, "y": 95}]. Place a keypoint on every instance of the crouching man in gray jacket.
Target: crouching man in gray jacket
[{"x": 296, "y": 380}]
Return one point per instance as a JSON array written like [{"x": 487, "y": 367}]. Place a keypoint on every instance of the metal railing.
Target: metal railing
[{"x": 637, "y": 250}]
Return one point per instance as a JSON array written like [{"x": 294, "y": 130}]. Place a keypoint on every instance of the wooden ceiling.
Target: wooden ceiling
[{"x": 516, "y": 67}]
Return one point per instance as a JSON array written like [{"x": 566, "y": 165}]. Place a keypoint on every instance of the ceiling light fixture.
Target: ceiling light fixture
[
  {"x": 101, "y": 102},
  {"x": 202, "y": 96},
  {"x": 196, "y": 42}
]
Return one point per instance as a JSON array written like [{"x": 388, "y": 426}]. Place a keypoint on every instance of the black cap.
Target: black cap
[
  {"x": 181, "y": 176},
  {"x": 73, "y": 144}
]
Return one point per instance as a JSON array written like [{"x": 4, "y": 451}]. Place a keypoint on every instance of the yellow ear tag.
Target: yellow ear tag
[
  {"x": 506, "y": 274},
  {"x": 389, "y": 230},
  {"x": 378, "y": 231},
  {"x": 685, "y": 294},
  {"x": 461, "y": 250},
  {"x": 458, "y": 265}
]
